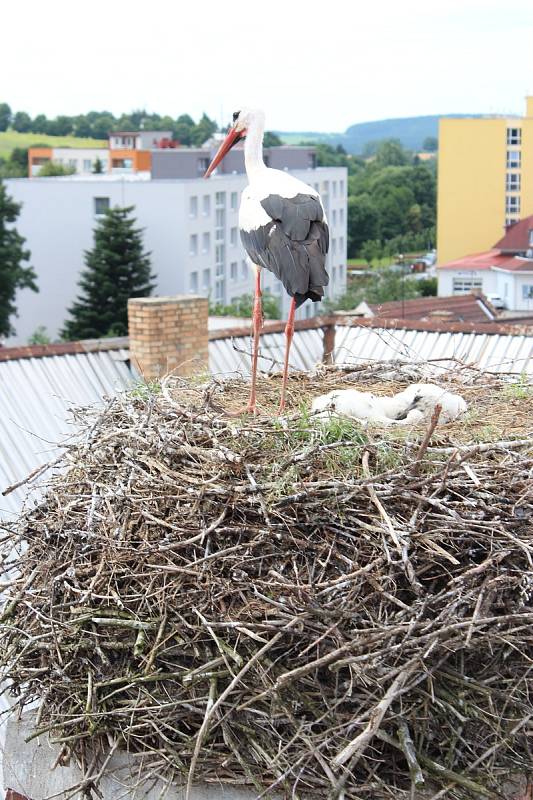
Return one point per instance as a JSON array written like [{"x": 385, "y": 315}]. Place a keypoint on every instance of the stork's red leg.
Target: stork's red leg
[
  {"x": 257, "y": 324},
  {"x": 289, "y": 332}
]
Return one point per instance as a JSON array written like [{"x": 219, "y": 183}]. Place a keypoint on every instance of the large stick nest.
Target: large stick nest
[{"x": 312, "y": 609}]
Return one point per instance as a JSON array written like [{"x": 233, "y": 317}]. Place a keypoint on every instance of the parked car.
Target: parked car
[{"x": 497, "y": 301}]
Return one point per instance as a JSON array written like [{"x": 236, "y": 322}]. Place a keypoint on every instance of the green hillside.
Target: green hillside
[{"x": 11, "y": 139}]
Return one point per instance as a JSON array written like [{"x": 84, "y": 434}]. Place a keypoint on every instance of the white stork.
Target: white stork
[{"x": 283, "y": 229}]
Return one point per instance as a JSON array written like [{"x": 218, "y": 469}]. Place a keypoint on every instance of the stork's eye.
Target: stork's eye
[{"x": 236, "y": 115}]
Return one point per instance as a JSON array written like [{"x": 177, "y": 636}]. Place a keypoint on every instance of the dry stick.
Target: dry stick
[
  {"x": 375, "y": 499},
  {"x": 33, "y": 474},
  {"x": 358, "y": 745},
  {"x": 426, "y": 440},
  {"x": 229, "y": 688},
  {"x": 408, "y": 747}
]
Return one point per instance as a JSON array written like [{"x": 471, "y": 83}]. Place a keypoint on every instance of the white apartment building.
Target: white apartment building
[{"x": 190, "y": 228}]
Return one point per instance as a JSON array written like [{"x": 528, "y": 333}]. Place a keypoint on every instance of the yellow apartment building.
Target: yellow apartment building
[{"x": 485, "y": 180}]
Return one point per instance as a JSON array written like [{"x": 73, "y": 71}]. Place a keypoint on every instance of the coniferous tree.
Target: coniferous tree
[
  {"x": 13, "y": 275},
  {"x": 117, "y": 268}
]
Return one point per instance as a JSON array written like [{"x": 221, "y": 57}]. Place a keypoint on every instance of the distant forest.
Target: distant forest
[{"x": 98, "y": 124}]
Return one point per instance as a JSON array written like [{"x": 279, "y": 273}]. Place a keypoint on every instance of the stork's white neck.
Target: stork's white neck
[{"x": 253, "y": 145}]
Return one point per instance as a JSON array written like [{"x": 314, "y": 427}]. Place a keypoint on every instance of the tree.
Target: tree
[
  {"x": 203, "y": 131},
  {"x": 13, "y": 275},
  {"x": 271, "y": 140},
  {"x": 98, "y": 167},
  {"x": 363, "y": 221},
  {"x": 22, "y": 122},
  {"x": 40, "y": 124},
  {"x": 117, "y": 268},
  {"x": 5, "y": 116},
  {"x": 243, "y": 307},
  {"x": 371, "y": 251},
  {"x": 390, "y": 153},
  {"x": 183, "y": 129},
  {"x": 39, "y": 336},
  {"x": 53, "y": 170},
  {"x": 379, "y": 287},
  {"x": 19, "y": 156},
  {"x": 430, "y": 144}
]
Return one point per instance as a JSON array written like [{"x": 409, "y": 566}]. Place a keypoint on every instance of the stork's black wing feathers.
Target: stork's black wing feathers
[{"x": 293, "y": 246}]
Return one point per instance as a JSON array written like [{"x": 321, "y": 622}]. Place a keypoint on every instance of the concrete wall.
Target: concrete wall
[
  {"x": 488, "y": 278},
  {"x": 189, "y": 162},
  {"x": 472, "y": 193},
  {"x": 57, "y": 219}
]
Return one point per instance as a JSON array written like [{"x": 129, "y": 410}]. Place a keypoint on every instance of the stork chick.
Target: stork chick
[{"x": 414, "y": 404}]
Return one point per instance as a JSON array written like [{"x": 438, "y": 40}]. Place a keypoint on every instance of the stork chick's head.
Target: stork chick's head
[{"x": 242, "y": 120}]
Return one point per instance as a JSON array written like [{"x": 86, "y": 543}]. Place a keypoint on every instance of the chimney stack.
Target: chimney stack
[{"x": 168, "y": 334}]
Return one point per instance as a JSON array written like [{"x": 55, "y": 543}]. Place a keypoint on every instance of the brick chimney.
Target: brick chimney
[{"x": 168, "y": 334}]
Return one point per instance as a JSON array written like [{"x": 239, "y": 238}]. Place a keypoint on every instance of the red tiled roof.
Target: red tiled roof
[
  {"x": 517, "y": 264},
  {"x": 459, "y": 308},
  {"x": 516, "y": 238},
  {"x": 476, "y": 261}
]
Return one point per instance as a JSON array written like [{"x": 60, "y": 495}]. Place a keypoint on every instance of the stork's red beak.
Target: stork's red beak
[{"x": 232, "y": 138}]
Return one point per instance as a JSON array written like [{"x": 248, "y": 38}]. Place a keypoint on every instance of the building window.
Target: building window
[
  {"x": 334, "y": 216},
  {"x": 334, "y": 274},
  {"x": 234, "y": 201},
  {"x": 233, "y": 237},
  {"x": 512, "y": 205},
  {"x": 466, "y": 285},
  {"x": 87, "y": 164},
  {"x": 244, "y": 270},
  {"x": 220, "y": 218},
  {"x": 193, "y": 206},
  {"x": 202, "y": 165},
  {"x": 206, "y": 279},
  {"x": 513, "y": 159},
  {"x": 512, "y": 182},
  {"x": 514, "y": 135},
  {"x": 219, "y": 260},
  {"x": 193, "y": 245},
  {"x": 510, "y": 221},
  {"x": 206, "y": 242},
  {"x": 233, "y": 271},
  {"x": 341, "y": 245},
  {"x": 334, "y": 246},
  {"x": 341, "y": 272},
  {"x": 341, "y": 188},
  {"x": 220, "y": 199},
  {"x": 206, "y": 205},
  {"x": 220, "y": 287},
  {"x": 193, "y": 281},
  {"x": 325, "y": 187},
  {"x": 530, "y": 238},
  {"x": 341, "y": 216},
  {"x": 101, "y": 205},
  {"x": 312, "y": 161},
  {"x": 527, "y": 291},
  {"x": 334, "y": 188}
]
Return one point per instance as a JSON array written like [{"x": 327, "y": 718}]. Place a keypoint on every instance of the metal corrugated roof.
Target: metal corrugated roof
[
  {"x": 491, "y": 352},
  {"x": 35, "y": 397},
  {"x": 37, "y": 392},
  {"x": 231, "y": 355}
]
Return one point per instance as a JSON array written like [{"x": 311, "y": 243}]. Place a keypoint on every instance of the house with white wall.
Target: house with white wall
[
  {"x": 506, "y": 270},
  {"x": 190, "y": 228}
]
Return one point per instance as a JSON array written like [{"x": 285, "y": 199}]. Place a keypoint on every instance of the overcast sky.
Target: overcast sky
[{"x": 311, "y": 65}]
